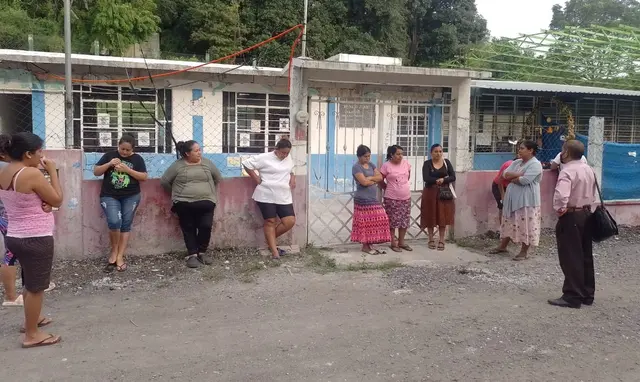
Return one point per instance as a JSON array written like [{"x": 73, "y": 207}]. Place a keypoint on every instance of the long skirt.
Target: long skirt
[
  {"x": 370, "y": 224},
  {"x": 523, "y": 226},
  {"x": 435, "y": 212},
  {"x": 399, "y": 212}
]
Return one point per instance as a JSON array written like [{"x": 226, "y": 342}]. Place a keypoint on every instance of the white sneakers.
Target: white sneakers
[{"x": 19, "y": 302}]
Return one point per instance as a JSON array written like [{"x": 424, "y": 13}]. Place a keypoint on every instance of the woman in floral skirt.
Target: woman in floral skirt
[
  {"x": 397, "y": 196},
  {"x": 521, "y": 206},
  {"x": 370, "y": 222}
]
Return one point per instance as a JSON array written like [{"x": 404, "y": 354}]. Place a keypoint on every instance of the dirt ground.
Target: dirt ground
[{"x": 308, "y": 319}]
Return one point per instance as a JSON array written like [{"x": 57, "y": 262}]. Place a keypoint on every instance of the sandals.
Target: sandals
[
  {"x": 121, "y": 268},
  {"x": 399, "y": 248},
  {"x": 440, "y": 246},
  {"x": 432, "y": 244},
  {"x": 110, "y": 268},
  {"x": 498, "y": 251},
  {"x": 520, "y": 257},
  {"x": 41, "y": 324},
  {"x": 374, "y": 252},
  {"x": 50, "y": 340},
  {"x": 18, "y": 302}
]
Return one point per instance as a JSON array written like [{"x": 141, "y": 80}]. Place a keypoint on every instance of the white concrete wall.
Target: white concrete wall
[
  {"x": 54, "y": 120},
  {"x": 210, "y": 107}
]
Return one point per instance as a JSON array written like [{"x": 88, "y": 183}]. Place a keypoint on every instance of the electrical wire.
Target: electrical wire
[{"x": 299, "y": 27}]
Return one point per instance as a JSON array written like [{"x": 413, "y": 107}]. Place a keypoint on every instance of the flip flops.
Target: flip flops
[
  {"x": 50, "y": 340},
  {"x": 18, "y": 302},
  {"x": 41, "y": 324}
]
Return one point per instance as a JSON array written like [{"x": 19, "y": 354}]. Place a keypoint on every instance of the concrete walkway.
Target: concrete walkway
[{"x": 420, "y": 256}]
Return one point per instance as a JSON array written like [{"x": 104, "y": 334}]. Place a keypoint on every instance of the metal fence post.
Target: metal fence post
[{"x": 68, "y": 86}]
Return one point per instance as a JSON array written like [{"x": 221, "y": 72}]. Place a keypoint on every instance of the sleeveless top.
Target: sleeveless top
[{"x": 24, "y": 213}]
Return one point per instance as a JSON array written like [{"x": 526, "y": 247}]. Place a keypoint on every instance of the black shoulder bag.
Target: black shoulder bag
[
  {"x": 603, "y": 226},
  {"x": 444, "y": 191}
]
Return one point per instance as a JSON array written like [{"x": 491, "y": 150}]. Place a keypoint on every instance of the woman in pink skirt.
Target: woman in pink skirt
[
  {"x": 397, "y": 196},
  {"x": 370, "y": 221}
]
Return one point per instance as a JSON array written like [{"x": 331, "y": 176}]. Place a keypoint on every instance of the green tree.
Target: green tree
[
  {"x": 444, "y": 30},
  {"x": 16, "y": 24},
  {"x": 586, "y": 13},
  {"x": 118, "y": 24},
  {"x": 200, "y": 26}
]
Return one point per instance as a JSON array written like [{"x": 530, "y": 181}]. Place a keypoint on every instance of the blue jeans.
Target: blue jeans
[{"x": 120, "y": 212}]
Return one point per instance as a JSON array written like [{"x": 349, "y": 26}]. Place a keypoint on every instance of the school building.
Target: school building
[{"x": 327, "y": 108}]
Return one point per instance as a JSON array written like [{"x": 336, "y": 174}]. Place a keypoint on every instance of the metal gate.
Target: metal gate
[{"x": 336, "y": 129}]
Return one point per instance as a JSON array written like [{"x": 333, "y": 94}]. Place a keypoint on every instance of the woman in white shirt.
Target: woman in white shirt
[
  {"x": 556, "y": 163},
  {"x": 275, "y": 181}
]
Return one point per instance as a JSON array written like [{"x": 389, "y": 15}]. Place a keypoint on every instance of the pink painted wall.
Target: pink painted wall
[
  {"x": 477, "y": 212},
  {"x": 69, "y": 235},
  {"x": 81, "y": 229}
]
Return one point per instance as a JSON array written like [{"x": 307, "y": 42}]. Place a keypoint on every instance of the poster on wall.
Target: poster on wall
[
  {"x": 104, "y": 139},
  {"x": 245, "y": 140},
  {"x": 284, "y": 124},
  {"x": 255, "y": 126},
  {"x": 104, "y": 120},
  {"x": 483, "y": 139},
  {"x": 144, "y": 139}
]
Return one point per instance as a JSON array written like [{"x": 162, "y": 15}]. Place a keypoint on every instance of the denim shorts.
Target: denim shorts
[{"x": 120, "y": 212}]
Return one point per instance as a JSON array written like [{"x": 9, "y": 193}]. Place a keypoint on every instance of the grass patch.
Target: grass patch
[
  {"x": 363, "y": 266},
  {"x": 318, "y": 261}
]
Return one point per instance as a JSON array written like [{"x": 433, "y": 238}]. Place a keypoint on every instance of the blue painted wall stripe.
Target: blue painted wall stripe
[
  {"x": 435, "y": 125},
  {"x": 38, "y": 113},
  {"x": 198, "y": 129},
  {"x": 331, "y": 143},
  {"x": 196, "y": 94},
  {"x": 197, "y": 120}
]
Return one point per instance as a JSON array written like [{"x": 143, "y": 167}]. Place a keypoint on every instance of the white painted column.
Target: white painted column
[
  {"x": 596, "y": 146},
  {"x": 298, "y": 101},
  {"x": 459, "y": 154}
]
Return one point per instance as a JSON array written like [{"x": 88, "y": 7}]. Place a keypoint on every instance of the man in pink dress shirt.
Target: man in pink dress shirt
[{"x": 575, "y": 193}]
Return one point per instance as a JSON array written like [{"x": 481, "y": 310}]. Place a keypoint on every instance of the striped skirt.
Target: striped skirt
[{"x": 370, "y": 224}]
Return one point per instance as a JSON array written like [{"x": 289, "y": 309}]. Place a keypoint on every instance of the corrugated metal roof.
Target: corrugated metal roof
[{"x": 550, "y": 88}]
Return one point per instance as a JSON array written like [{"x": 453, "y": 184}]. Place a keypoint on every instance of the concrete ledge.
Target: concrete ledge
[{"x": 420, "y": 256}]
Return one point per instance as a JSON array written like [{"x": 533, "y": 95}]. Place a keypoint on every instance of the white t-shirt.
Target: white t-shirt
[
  {"x": 275, "y": 175},
  {"x": 557, "y": 160}
]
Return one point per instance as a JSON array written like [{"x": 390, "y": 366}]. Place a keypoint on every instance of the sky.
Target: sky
[{"x": 510, "y": 18}]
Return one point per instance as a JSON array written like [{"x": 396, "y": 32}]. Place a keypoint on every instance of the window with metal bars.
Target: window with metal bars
[
  {"x": 412, "y": 128},
  {"x": 254, "y": 122},
  {"x": 102, "y": 114}
]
